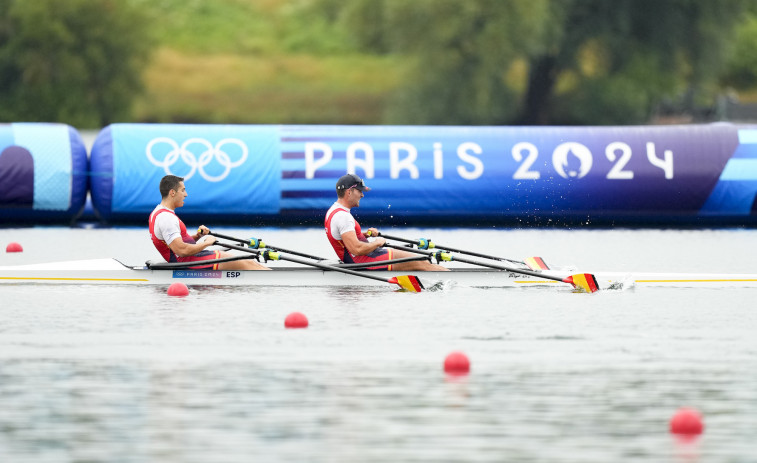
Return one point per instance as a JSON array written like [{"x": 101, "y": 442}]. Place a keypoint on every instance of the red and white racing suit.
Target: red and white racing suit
[
  {"x": 379, "y": 255},
  {"x": 169, "y": 255}
]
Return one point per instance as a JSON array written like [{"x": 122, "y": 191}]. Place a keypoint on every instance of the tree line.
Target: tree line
[{"x": 467, "y": 62}]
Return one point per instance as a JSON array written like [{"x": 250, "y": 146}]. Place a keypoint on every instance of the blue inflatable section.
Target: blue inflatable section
[
  {"x": 101, "y": 174},
  {"x": 231, "y": 172},
  {"x": 735, "y": 193},
  {"x": 272, "y": 175},
  {"x": 43, "y": 173}
]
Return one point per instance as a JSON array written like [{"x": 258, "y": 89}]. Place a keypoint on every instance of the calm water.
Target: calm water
[{"x": 128, "y": 374}]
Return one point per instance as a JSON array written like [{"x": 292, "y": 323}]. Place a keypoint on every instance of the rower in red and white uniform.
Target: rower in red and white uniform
[
  {"x": 170, "y": 237},
  {"x": 348, "y": 240}
]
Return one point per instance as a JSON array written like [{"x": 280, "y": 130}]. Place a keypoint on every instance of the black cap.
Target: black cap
[{"x": 351, "y": 180}]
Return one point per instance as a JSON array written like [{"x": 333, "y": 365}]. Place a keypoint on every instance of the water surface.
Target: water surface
[{"x": 129, "y": 374}]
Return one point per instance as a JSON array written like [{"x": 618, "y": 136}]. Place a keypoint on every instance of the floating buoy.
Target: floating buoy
[
  {"x": 178, "y": 289},
  {"x": 457, "y": 363},
  {"x": 687, "y": 421},
  {"x": 296, "y": 320},
  {"x": 14, "y": 247}
]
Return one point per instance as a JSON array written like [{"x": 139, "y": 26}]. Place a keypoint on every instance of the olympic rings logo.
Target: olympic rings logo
[{"x": 198, "y": 164}]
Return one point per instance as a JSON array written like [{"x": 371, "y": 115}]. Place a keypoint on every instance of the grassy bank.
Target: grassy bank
[
  {"x": 279, "y": 88},
  {"x": 265, "y": 61}
]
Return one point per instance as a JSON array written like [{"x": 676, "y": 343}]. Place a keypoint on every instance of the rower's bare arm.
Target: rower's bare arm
[
  {"x": 360, "y": 248},
  {"x": 182, "y": 249}
]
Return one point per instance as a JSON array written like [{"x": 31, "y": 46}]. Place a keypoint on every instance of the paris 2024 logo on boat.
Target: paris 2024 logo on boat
[{"x": 572, "y": 160}]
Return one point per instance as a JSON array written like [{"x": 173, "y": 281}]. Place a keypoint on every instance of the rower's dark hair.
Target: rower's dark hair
[{"x": 168, "y": 183}]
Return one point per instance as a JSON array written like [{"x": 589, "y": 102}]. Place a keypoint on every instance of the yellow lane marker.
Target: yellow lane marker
[
  {"x": 727, "y": 280},
  {"x": 74, "y": 279}
]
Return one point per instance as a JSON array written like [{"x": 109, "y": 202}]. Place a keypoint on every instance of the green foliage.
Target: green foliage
[
  {"x": 583, "y": 56},
  {"x": 679, "y": 42},
  {"x": 73, "y": 61},
  {"x": 208, "y": 26},
  {"x": 369, "y": 61},
  {"x": 245, "y": 27},
  {"x": 458, "y": 54},
  {"x": 742, "y": 66}
]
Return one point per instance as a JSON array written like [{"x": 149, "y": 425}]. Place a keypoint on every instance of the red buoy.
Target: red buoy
[
  {"x": 296, "y": 320},
  {"x": 457, "y": 363},
  {"x": 686, "y": 421},
  {"x": 14, "y": 247},
  {"x": 178, "y": 289}
]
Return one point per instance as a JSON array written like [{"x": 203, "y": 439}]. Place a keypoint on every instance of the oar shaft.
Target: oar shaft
[
  {"x": 384, "y": 262},
  {"x": 447, "y": 248},
  {"x": 227, "y": 237},
  {"x": 483, "y": 264},
  {"x": 505, "y": 267},
  {"x": 275, "y": 248},
  {"x": 313, "y": 264},
  {"x": 296, "y": 253},
  {"x": 476, "y": 254},
  {"x": 397, "y": 238}
]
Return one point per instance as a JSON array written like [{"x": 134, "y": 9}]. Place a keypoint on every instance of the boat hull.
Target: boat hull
[{"x": 113, "y": 272}]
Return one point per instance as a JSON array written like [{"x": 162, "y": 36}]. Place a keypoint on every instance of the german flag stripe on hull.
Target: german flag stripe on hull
[{"x": 535, "y": 263}]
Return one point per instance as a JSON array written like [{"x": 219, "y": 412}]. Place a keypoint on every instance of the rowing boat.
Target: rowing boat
[{"x": 114, "y": 272}]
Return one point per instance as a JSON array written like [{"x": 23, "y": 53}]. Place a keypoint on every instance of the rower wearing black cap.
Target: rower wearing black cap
[{"x": 348, "y": 240}]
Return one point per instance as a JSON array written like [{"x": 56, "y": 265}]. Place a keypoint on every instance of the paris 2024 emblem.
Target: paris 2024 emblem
[{"x": 572, "y": 160}]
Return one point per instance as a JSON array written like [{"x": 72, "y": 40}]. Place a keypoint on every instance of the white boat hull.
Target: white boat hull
[{"x": 113, "y": 272}]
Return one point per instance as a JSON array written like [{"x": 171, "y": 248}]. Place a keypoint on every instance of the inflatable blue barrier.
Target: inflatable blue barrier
[
  {"x": 43, "y": 173},
  {"x": 231, "y": 172},
  {"x": 271, "y": 175}
]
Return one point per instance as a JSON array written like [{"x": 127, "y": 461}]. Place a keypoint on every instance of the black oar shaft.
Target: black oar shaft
[
  {"x": 314, "y": 264},
  {"x": 227, "y": 237},
  {"x": 397, "y": 238},
  {"x": 296, "y": 253},
  {"x": 476, "y": 254},
  {"x": 275, "y": 248},
  {"x": 483, "y": 264},
  {"x": 447, "y": 248},
  {"x": 383, "y": 262},
  {"x": 509, "y": 269}
]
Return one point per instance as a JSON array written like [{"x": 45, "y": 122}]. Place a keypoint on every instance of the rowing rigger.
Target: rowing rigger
[{"x": 113, "y": 272}]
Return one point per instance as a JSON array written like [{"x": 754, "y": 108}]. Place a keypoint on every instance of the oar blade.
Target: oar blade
[
  {"x": 584, "y": 281},
  {"x": 408, "y": 282},
  {"x": 535, "y": 263}
]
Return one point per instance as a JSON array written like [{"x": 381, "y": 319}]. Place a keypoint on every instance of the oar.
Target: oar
[
  {"x": 256, "y": 243},
  {"x": 534, "y": 263},
  {"x": 584, "y": 281},
  {"x": 408, "y": 282},
  {"x": 384, "y": 262}
]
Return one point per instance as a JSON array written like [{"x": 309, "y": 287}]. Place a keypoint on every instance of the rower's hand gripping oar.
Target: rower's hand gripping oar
[
  {"x": 585, "y": 281},
  {"x": 407, "y": 282},
  {"x": 257, "y": 243},
  {"x": 534, "y": 263}
]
